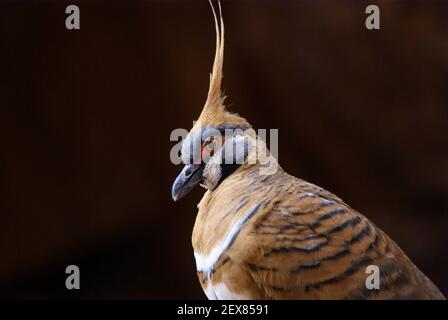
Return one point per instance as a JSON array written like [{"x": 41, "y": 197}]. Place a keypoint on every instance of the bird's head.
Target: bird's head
[{"x": 218, "y": 143}]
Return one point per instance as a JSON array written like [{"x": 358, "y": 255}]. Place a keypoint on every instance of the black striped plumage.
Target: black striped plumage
[{"x": 306, "y": 243}]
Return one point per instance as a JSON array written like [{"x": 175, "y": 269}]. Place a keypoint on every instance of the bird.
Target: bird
[{"x": 261, "y": 233}]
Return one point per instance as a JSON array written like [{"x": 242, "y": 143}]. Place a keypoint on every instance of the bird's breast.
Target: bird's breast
[
  {"x": 214, "y": 238},
  {"x": 215, "y": 243},
  {"x": 221, "y": 291}
]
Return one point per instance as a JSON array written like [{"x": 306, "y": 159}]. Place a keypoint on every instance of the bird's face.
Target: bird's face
[
  {"x": 218, "y": 144},
  {"x": 210, "y": 154}
]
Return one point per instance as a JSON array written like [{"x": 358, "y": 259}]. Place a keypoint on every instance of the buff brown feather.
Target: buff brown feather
[{"x": 275, "y": 236}]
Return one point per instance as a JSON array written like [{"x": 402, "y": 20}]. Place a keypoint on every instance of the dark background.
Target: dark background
[{"x": 85, "y": 119}]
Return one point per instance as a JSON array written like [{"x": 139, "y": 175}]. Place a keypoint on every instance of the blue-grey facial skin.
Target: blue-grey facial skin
[
  {"x": 191, "y": 147},
  {"x": 188, "y": 178},
  {"x": 191, "y": 174}
]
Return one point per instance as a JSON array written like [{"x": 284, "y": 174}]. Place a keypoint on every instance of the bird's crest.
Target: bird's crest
[{"x": 214, "y": 111}]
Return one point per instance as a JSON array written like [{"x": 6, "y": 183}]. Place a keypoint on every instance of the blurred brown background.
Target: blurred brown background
[{"x": 85, "y": 119}]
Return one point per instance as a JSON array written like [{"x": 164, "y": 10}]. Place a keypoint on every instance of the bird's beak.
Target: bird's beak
[{"x": 189, "y": 177}]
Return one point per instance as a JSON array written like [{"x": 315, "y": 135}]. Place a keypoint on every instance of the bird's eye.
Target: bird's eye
[{"x": 210, "y": 144}]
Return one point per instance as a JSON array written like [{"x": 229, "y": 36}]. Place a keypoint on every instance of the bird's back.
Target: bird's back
[{"x": 279, "y": 237}]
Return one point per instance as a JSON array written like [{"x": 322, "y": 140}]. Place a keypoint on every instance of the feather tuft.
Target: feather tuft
[{"x": 214, "y": 111}]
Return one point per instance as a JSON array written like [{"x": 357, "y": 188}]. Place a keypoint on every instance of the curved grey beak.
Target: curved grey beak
[{"x": 189, "y": 177}]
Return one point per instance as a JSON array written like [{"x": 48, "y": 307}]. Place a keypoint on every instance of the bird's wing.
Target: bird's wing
[{"x": 313, "y": 247}]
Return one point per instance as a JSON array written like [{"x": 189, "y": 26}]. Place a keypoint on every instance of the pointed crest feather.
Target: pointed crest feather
[
  {"x": 214, "y": 111},
  {"x": 214, "y": 92}
]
